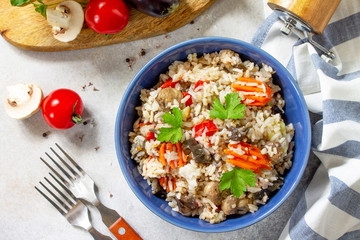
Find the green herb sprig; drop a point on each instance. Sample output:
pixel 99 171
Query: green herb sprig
pixel 173 133
pixel 233 108
pixel 18 2
pixel 236 180
pixel 40 7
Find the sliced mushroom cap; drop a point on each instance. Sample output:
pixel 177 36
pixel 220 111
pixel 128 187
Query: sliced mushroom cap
pixel 229 205
pixel 67 20
pixel 168 95
pixel 212 192
pixel 23 100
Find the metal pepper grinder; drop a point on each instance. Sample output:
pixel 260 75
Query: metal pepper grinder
pixel 308 16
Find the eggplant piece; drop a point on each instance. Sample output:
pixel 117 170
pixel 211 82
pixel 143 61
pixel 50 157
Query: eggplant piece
pixel 155 8
pixel 187 206
pixel 200 154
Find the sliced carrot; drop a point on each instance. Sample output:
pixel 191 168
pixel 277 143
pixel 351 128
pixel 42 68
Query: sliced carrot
pixel 169 146
pixel 179 151
pixel 174 183
pixel 243 164
pixel 239 87
pixel 231 152
pixel 258 100
pixel 252 155
pixel 162 154
pixel 162 181
pixel 185 158
pixel 172 164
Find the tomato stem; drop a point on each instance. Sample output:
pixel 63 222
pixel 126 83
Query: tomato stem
pixel 76 118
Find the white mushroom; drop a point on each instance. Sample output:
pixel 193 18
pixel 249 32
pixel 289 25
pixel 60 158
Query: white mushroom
pixel 23 100
pixel 67 20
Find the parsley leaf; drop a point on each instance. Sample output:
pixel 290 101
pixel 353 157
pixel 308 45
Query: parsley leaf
pixel 234 109
pixel 18 2
pixel 174 133
pixel 41 8
pixel 236 180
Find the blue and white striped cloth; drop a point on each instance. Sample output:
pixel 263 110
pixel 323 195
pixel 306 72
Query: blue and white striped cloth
pixel 330 206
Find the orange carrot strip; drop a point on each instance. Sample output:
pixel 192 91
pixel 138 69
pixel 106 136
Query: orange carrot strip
pixel 234 145
pixel 258 100
pixel 252 155
pixel 174 183
pixel 231 152
pixel 239 87
pixel 243 164
pixel 179 151
pixel 172 164
pixel 162 154
pixel 162 181
pixel 185 158
pixel 169 146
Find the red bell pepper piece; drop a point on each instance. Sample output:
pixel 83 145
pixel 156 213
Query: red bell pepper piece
pixel 206 126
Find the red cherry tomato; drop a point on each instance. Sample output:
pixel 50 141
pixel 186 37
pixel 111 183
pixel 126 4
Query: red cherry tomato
pixel 206 126
pixel 62 109
pixel 106 16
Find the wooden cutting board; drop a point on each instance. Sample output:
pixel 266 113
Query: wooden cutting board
pixel 27 29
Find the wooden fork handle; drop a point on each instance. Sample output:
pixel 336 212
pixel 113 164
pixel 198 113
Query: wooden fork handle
pixel 122 230
pixel 116 224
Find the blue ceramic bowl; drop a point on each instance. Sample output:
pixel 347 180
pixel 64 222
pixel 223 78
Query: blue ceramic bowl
pixel 295 111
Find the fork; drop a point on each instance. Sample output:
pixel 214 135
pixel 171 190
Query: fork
pixel 83 187
pixel 77 214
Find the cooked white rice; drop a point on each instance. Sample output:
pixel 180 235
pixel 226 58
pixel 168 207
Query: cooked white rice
pixel 262 126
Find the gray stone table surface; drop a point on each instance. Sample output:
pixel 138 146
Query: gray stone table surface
pixel 24 213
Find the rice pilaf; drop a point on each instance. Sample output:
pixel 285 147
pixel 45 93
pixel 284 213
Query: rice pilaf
pixel 188 173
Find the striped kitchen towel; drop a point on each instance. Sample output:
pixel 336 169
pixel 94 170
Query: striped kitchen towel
pixel 330 206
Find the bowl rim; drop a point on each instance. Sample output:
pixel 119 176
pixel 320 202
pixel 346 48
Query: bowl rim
pixel 138 193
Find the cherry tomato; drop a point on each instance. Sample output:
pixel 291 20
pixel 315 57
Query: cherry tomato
pixel 106 16
pixel 62 109
pixel 207 127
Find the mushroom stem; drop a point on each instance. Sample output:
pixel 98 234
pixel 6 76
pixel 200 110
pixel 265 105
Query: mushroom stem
pixel 58 18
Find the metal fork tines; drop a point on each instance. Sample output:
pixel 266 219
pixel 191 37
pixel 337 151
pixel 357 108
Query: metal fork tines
pixel 73 210
pixel 77 181
pixel 83 187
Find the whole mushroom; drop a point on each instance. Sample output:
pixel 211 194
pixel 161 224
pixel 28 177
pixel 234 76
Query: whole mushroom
pixel 67 20
pixel 229 205
pixel 23 100
pixel 168 95
pixel 212 192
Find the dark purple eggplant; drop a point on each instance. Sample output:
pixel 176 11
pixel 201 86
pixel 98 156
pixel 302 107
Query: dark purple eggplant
pixel 155 8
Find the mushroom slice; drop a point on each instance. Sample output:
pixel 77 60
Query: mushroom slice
pixel 67 20
pixel 23 100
